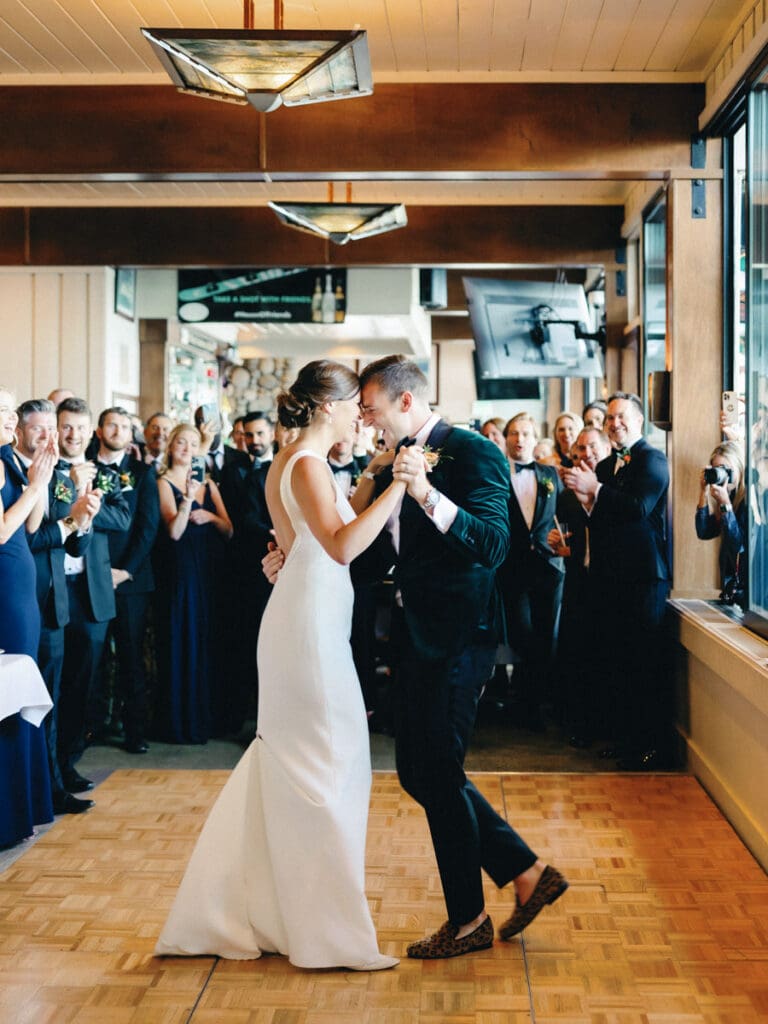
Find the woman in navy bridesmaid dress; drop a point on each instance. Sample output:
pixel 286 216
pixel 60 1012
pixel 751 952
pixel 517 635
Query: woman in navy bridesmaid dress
pixel 195 523
pixel 25 792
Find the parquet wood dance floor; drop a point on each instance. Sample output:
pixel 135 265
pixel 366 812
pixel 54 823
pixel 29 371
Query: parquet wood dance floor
pixel 666 920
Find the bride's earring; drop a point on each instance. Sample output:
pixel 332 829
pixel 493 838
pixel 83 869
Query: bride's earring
pixel 328 418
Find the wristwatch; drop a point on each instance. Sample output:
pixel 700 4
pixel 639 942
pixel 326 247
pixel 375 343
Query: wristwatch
pixel 431 500
pixel 69 522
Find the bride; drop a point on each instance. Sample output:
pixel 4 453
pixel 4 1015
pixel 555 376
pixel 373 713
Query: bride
pixel 279 865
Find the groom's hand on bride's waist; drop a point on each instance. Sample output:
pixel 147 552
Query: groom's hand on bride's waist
pixel 272 562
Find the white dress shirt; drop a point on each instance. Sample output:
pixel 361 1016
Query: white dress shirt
pixel 525 485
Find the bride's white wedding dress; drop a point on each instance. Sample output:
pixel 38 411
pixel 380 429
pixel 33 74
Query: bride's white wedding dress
pixel 279 865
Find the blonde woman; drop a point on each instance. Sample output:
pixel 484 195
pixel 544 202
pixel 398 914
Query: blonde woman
pixel 194 525
pixel 722 512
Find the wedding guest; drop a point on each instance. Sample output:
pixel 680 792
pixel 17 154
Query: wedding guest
pixel 578 667
pixel 156 431
pixel 89 587
pixel 544 452
pixel 567 426
pixel 25 789
pixel 493 429
pixel 242 491
pixel 194 521
pixel 594 414
pixel 531 576
pixel 65 527
pixel 625 498
pixel 728 521
pixel 130 553
pixel 211 444
pixel 237 434
pixel 58 395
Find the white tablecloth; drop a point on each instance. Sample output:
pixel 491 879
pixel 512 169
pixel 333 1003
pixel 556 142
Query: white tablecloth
pixel 22 689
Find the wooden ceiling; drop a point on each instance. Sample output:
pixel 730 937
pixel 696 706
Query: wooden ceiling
pixel 98 41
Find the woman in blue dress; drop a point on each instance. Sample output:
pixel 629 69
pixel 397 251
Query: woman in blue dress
pixel 196 522
pixel 25 792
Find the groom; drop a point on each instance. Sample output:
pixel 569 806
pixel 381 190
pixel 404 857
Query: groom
pixel 451 535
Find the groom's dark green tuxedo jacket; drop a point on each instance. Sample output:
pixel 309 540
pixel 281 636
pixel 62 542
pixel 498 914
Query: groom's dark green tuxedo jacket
pixel 447 581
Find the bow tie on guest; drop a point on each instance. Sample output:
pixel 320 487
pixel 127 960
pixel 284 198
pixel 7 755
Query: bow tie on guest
pixel 108 467
pixel 405 442
pixel 520 466
pixel 63 466
pixel 349 467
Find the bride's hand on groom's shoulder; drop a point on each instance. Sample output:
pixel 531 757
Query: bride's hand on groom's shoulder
pixel 272 562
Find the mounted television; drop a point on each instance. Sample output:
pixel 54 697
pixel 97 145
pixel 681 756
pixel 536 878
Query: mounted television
pixel 532 329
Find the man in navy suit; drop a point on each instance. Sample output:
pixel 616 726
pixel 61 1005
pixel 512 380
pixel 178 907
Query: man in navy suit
pixel 66 528
pixel 450 536
pixel 132 578
pixel 89 585
pixel 531 577
pixel 626 500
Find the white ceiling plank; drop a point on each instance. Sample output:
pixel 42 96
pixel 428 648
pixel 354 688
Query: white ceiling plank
pixel 578 28
pixel 35 36
pixel 710 37
pixel 407 24
pixel 441 29
pixel 610 32
pixel 197 14
pixel 544 26
pixel 474 31
pixel 121 40
pixel 17 55
pixel 508 33
pixel 683 23
pixel 648 25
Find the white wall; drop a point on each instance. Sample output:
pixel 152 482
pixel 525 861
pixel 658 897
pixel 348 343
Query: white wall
pixel 59 328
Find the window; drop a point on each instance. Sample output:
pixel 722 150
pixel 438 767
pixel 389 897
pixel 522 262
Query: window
pixel 654 340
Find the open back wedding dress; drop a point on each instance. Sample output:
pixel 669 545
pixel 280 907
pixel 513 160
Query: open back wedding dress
pixel 279 865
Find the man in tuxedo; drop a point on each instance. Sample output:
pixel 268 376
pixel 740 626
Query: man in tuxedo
pixel 531 577
pixel 625 498
pixel 213 447
pixel 242 491
pixel 89 586
pixel 156 431
pixel 345 465
pixel 450 536
pixel 66 526
pixel 130 557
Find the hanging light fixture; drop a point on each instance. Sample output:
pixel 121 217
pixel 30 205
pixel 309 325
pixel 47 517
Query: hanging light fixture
pixel 266 68
pixel 342 222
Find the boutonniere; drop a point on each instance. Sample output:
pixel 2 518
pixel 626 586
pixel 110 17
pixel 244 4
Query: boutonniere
pixel 105 482
pixel 126 479
pixel 546 486
pixel 433 457
pixel 625 456
pixel 62 493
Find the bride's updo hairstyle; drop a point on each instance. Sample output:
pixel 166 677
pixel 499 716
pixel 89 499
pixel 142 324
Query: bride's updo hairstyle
pixel 317 383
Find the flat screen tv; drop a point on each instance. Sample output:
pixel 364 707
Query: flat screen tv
pixel 531 329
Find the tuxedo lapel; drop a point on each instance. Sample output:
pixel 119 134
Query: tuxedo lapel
pixel 541 496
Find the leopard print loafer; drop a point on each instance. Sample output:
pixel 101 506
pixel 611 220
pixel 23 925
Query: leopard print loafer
pixel 444 942
pixel 549 887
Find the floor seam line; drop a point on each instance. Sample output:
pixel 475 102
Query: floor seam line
pixel 201 993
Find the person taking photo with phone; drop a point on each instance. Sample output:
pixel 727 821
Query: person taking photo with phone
pixel 196 523
pixel 722 512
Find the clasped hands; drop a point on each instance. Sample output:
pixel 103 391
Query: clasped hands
pixel 410 468
pixel 582 481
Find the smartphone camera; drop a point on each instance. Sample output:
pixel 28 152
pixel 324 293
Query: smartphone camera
pixel 198 468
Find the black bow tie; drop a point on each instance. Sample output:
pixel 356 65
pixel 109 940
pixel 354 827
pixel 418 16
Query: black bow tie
pixel 520 466
pixel 406 442
pixel 108 467
pixel 63 466
pixel 348 468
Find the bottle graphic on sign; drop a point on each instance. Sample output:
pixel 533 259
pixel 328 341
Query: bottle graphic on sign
pixel 317 303
pixel 329 302
pixel 339 298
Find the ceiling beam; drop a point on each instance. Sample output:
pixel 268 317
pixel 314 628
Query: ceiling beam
pixel 234 236
pixel 151 132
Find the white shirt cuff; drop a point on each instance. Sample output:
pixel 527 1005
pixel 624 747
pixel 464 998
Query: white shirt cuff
pixel 443 514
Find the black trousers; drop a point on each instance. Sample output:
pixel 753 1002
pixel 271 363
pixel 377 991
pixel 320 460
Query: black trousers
pixel 50 661
pixel 83 648
pixel 533 616
pixel 435 709
pixel 128 627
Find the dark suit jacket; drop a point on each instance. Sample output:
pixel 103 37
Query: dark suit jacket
pixel 48 550
pixel 447 581
pixel 131 549
pixel 242 491
pixel 627 527
pixel 530 558
pixel 114 515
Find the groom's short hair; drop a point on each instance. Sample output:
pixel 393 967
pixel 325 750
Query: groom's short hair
pixel 395 375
